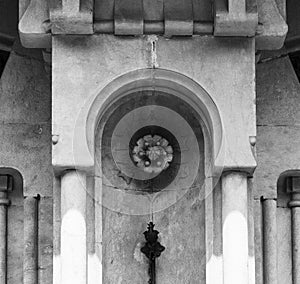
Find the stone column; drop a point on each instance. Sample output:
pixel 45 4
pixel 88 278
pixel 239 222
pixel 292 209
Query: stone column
pixel 270 241
pixel 30 262
pixel 4 202
pixel 73 228
pixel 235 228
pixel 294 204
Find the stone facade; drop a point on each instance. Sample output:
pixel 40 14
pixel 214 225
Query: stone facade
pixel 92 79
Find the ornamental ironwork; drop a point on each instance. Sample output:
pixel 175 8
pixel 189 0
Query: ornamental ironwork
pixel 152 249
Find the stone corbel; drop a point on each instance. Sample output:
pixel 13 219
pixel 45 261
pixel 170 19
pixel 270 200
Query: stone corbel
pixel 235 18
pixel 34 25
pixel 71 17
pixel 272 28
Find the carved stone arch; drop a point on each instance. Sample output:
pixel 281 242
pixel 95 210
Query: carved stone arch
pixel 167 84
pixel 161 80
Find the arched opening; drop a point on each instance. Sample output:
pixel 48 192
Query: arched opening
pixel 131 195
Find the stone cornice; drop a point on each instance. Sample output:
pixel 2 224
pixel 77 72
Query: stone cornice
pixel 235 18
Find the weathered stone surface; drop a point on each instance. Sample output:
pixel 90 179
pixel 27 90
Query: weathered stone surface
pixel 235 18
pixel 84 77
pixel 122 240
pixel 128 17
pixel 215 69
pixel 178 17
pixel 30 252
pixel 34 25
pixel 45 240
pixel 25 129
pixel 278 91
pixel 272 27
pixel 24 92
pixel 258 240
pixel 278 118
pixel 284 238
pixel 182 232
pixel 15 244
pixel 273 143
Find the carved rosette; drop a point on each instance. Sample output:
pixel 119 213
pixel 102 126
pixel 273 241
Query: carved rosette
pixel 152 154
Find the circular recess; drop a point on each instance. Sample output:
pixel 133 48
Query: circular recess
pixel 146 115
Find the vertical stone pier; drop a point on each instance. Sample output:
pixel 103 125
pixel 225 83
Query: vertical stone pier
pixel 73 228
pixel 235 227
pixel 30 240
pixel 270 240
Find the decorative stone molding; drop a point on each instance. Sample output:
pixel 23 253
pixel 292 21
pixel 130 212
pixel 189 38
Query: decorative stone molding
pixel 272 28
pixel 235 18
pixel 168 17
pixel 35 26
pixel 71 17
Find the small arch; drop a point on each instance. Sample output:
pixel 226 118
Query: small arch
pixel 281 182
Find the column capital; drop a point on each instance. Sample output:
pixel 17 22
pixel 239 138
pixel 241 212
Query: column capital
pixel 293 188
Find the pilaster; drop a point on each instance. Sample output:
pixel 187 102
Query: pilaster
pixel 235 228
pixel 73 228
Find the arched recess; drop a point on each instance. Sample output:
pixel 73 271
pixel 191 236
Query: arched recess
pixel 122 219
pixel 14 226
pixel 153 79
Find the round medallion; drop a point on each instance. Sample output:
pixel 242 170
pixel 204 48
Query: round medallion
pixel 152 153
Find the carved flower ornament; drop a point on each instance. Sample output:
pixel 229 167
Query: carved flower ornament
pixel 152 153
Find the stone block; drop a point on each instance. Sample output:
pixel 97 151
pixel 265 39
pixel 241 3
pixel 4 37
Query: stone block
pixel 34 26
pixel 45 240
pixel 71 17
pixel 178 17
pixel 215 69
pixel 272 27
pixel 129 17
pixel 277 93
pixel 26 147
pixel 153 10
pixel 235 18
pixel 202 11
pixel 25 91
pixel 277 151
pixel 278 119
pixel 284 238
pixel 104 10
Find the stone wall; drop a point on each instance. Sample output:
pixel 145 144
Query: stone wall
pixel 278 151
pixel 25 146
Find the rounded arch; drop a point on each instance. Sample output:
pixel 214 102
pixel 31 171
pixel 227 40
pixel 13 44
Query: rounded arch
pixel 16 175
pixel 161 80
pixel 281 182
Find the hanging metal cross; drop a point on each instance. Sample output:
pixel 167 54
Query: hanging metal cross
pixel 152 249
